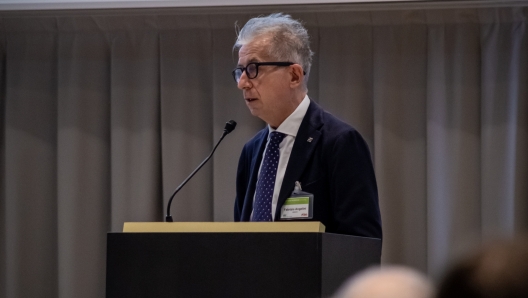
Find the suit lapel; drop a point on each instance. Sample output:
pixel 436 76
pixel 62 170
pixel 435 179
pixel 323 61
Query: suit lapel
pixel 255 165
pixel 305 143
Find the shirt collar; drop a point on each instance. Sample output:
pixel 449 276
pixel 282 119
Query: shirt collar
pixel 291 125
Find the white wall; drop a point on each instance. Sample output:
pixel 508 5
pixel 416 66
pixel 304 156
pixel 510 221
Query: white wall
pixel 82 4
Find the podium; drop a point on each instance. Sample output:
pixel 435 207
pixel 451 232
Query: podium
pixel 279 259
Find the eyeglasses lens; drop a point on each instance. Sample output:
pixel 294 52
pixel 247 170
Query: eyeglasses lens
pixel 251 70
pixel 237 73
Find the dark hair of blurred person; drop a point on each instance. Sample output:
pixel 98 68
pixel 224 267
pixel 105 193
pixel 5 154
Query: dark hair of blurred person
pixel 499 271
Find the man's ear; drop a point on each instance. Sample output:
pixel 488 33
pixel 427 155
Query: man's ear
pixel 296 75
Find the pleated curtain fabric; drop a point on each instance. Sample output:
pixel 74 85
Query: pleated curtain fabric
pixel 103 113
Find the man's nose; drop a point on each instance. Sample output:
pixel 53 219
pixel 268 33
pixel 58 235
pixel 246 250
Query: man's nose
pixel 244 82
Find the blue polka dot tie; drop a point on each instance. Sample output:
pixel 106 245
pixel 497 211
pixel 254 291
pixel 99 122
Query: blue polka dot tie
pixel 266 181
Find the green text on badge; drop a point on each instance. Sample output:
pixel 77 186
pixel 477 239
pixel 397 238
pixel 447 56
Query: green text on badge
pixel 296 207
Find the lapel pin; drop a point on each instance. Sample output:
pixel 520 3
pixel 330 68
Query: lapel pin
pixel 310 139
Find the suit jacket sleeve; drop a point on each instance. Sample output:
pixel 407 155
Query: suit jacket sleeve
pixel 353 187
pixel 242 180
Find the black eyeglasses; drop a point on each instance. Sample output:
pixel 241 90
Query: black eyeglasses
pixel 252 69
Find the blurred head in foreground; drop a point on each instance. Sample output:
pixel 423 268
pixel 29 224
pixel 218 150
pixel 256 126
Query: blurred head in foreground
pixel 387 282
pixel 499 271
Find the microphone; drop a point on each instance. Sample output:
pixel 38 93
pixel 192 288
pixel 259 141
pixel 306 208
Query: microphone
pixel 229 127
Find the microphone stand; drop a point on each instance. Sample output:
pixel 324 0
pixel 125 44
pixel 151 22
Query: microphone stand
pixel 229 127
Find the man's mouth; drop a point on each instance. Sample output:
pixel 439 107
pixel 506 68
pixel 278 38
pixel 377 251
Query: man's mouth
pixel 250 99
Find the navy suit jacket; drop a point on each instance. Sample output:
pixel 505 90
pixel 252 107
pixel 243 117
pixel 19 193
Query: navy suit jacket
pixel 335 166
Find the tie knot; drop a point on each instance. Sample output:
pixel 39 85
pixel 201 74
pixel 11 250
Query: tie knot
pixel 276 137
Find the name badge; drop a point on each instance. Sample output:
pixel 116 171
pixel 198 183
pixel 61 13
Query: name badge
pixel 298 206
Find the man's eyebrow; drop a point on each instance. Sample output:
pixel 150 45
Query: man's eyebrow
pixel 252 60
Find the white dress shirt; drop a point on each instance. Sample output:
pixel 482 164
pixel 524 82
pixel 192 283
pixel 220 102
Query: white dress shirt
pixel 289 127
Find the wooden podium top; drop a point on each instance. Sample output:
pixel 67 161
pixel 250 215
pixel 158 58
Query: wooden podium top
pixel 224 227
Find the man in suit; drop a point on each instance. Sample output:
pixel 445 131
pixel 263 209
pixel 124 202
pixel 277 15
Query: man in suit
pixel 302 145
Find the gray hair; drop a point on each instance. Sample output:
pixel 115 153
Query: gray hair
pixel 387 282
pixel 290 40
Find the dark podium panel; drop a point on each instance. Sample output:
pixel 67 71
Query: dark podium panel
pixel 234 264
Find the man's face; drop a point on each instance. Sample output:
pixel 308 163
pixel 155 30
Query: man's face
pixel 268 96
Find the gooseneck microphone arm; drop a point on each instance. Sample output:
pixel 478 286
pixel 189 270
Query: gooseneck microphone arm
pixel 229 127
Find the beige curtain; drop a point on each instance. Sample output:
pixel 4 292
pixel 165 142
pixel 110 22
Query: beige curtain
pixel 104 113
